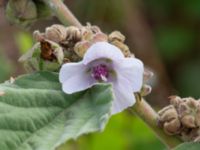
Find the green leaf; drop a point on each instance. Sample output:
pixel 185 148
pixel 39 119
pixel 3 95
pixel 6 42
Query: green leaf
pixel 36 115
pixel 188 146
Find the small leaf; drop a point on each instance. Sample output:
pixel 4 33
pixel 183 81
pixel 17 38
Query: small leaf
pixel 188 146
pixel 36 115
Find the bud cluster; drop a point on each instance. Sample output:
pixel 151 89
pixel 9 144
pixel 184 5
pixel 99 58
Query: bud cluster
pixel 181 118
pixel 60 44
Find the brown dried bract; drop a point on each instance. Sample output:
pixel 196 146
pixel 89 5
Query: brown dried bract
pixel 47 51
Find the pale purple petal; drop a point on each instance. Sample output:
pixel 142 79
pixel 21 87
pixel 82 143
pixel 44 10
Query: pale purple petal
pixel 131 70
pixel 102 50
pixel 69 70
pixel 77 83
pixel 124 97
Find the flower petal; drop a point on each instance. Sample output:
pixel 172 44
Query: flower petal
pixel 102 50
pixel 74 78
pixel 69 70
pixel 124 97
pixel 77 83
pixel 131 70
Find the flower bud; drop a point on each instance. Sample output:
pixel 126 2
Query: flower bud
pixel 81 48
pixel 99 37
pixel 146 90
pixel 147 74
pixel 116 35
pixel 168 118
pixel 37 36
pixel 87 34
pixel 188 121
pixel 175 100
pixel 56 33
pixel 45 55
pixel 73 34
pixel 123 47
pixel 21 12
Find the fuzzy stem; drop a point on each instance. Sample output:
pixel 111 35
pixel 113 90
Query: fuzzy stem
pixel 143 110
pixel 62 12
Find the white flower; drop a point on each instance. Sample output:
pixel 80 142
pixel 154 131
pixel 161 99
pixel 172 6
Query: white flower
pixel 105 63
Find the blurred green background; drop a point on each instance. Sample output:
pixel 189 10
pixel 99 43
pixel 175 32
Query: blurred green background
pixel 164 34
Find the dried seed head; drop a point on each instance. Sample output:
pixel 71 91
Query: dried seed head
pixel 56 33
pixel 116 36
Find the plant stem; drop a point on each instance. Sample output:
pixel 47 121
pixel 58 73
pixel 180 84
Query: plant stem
pixel 143 110
pixel 62 12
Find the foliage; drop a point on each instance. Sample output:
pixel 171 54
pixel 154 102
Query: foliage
pixel 40 110
pixel 188 146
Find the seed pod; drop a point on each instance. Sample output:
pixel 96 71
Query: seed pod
pixel 56 33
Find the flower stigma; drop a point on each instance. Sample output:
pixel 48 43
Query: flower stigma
pixel 100 73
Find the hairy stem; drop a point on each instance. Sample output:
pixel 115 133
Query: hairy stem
pixel 62 12
pixel 143 110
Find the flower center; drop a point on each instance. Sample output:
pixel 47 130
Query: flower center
pixel 100 72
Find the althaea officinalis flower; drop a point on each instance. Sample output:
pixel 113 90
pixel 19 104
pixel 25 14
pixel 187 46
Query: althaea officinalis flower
pixel 105 63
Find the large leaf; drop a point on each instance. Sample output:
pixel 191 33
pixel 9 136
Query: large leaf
pixel 36 115
pixel 188 146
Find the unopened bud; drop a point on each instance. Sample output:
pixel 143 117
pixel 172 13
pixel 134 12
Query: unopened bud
pixel 99 37
pixel 73 33
pixel 168 118
pixel 147 75
pixel 56 33
pixel 116 35
pixel 123 47
pixel 21 12
pixel 81 48
pixel 45 55
pixel 37 36
pixel 188 121
pixel 146 90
